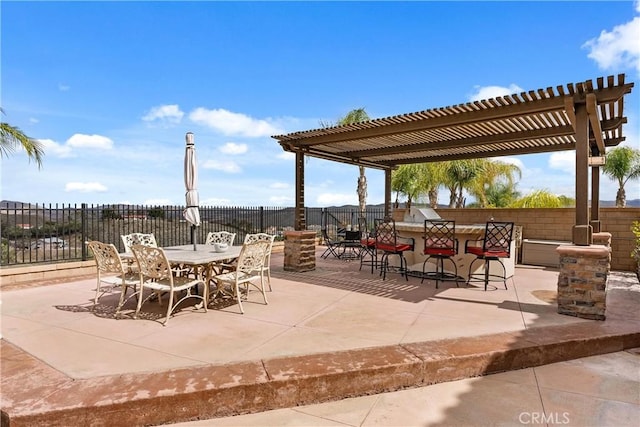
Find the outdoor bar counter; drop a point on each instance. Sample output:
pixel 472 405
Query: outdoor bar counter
pixel 464 232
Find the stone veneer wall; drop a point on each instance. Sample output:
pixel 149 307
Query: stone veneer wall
pixel 299 250
pixel 582 281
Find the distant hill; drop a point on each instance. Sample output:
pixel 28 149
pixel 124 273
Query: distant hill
pixel 8 204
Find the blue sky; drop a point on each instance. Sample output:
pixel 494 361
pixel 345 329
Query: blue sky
pixel 111 88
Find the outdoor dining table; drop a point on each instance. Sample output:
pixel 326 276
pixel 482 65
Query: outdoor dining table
pixel 204 260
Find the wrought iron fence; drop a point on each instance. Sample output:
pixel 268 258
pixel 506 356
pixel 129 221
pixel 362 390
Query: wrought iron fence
pixel 57 232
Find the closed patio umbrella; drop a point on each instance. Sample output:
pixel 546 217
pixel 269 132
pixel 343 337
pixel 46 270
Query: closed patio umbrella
pixel 192 212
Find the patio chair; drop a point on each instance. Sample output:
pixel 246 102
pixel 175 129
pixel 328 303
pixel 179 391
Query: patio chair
pixel 220 237
pixel 495 246
pixel 440 243
pixel 249 238
pixel 334 246
pixel 248 270
pixel 388 241
pixel 113 273
pixel 226 238
pixel 147 239
pixel 157 276
pixel 368 252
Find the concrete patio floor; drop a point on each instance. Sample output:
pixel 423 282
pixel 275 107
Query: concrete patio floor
pixel 326 335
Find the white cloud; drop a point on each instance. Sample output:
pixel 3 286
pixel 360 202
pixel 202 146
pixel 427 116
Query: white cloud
pixel 90 141
pixel 227 166
pixel 618 48
pixel 333 199
pixel 510 160
pixel 279 185
pixel 33 120
pixel 53 148
pixel 157 202
pixel 63 88
pixel 488 92
pixel 230 123
pixel 215 202
pixel 85 187
pixel 281 200
pixel 233 148
pixel 167 114
pixel 564 161
pixel 286 155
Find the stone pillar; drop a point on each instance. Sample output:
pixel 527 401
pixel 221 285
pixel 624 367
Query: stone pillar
pixel 299 250
pixel 582 281
pixel 602 238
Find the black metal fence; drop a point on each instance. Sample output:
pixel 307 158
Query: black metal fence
pixel 53 233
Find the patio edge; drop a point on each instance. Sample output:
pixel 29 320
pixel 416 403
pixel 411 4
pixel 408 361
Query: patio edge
pixel 213 391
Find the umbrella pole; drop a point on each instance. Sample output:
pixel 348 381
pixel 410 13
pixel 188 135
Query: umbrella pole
pixel 193 236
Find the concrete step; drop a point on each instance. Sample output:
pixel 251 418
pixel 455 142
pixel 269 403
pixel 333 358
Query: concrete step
pixel 35 394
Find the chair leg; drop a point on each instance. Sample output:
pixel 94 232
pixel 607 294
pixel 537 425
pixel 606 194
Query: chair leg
pixel 269 279
pixel 139 305
pixel 504 270
pixel 404 268
pixel 169 308
pixel 236 290
pixel 384 263
pixel 486 273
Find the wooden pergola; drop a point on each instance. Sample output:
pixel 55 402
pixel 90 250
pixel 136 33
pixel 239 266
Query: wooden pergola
pixel 581 116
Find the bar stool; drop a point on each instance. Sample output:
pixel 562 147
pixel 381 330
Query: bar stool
pixel 440 243
pixel 388 241
pixel 368 252
pixel 495 245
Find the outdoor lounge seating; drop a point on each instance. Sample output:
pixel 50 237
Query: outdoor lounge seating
pixel 248 270
pixel 112 272
pixel 157 276
pixel 388 241
pixel 440 243
pixel 495 245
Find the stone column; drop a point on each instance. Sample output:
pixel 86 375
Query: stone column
pixel 582 281
pixel 602 238
pixel 299 250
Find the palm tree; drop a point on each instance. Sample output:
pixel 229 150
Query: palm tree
pixel 409 180
pixel 356 116
pixel 540 199
pixel 494 172
pixel 499 195
pixel 11 138
pixel 431 176
pixel 622 164
pixel 458 175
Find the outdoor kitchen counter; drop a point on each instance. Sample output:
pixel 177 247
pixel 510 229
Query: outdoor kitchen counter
pixel 464 232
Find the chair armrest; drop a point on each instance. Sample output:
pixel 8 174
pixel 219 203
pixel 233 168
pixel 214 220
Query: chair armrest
pixel 407 241
pixel 473 243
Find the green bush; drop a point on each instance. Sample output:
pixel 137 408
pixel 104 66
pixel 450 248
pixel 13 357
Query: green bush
pixel 635 229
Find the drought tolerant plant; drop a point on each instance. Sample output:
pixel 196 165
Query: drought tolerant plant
pixel 635 253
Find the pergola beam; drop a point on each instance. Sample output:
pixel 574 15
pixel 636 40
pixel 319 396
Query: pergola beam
pixel 592 112
pixel 583 117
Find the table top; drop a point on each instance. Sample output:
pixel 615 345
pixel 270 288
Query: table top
pixel 204 254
